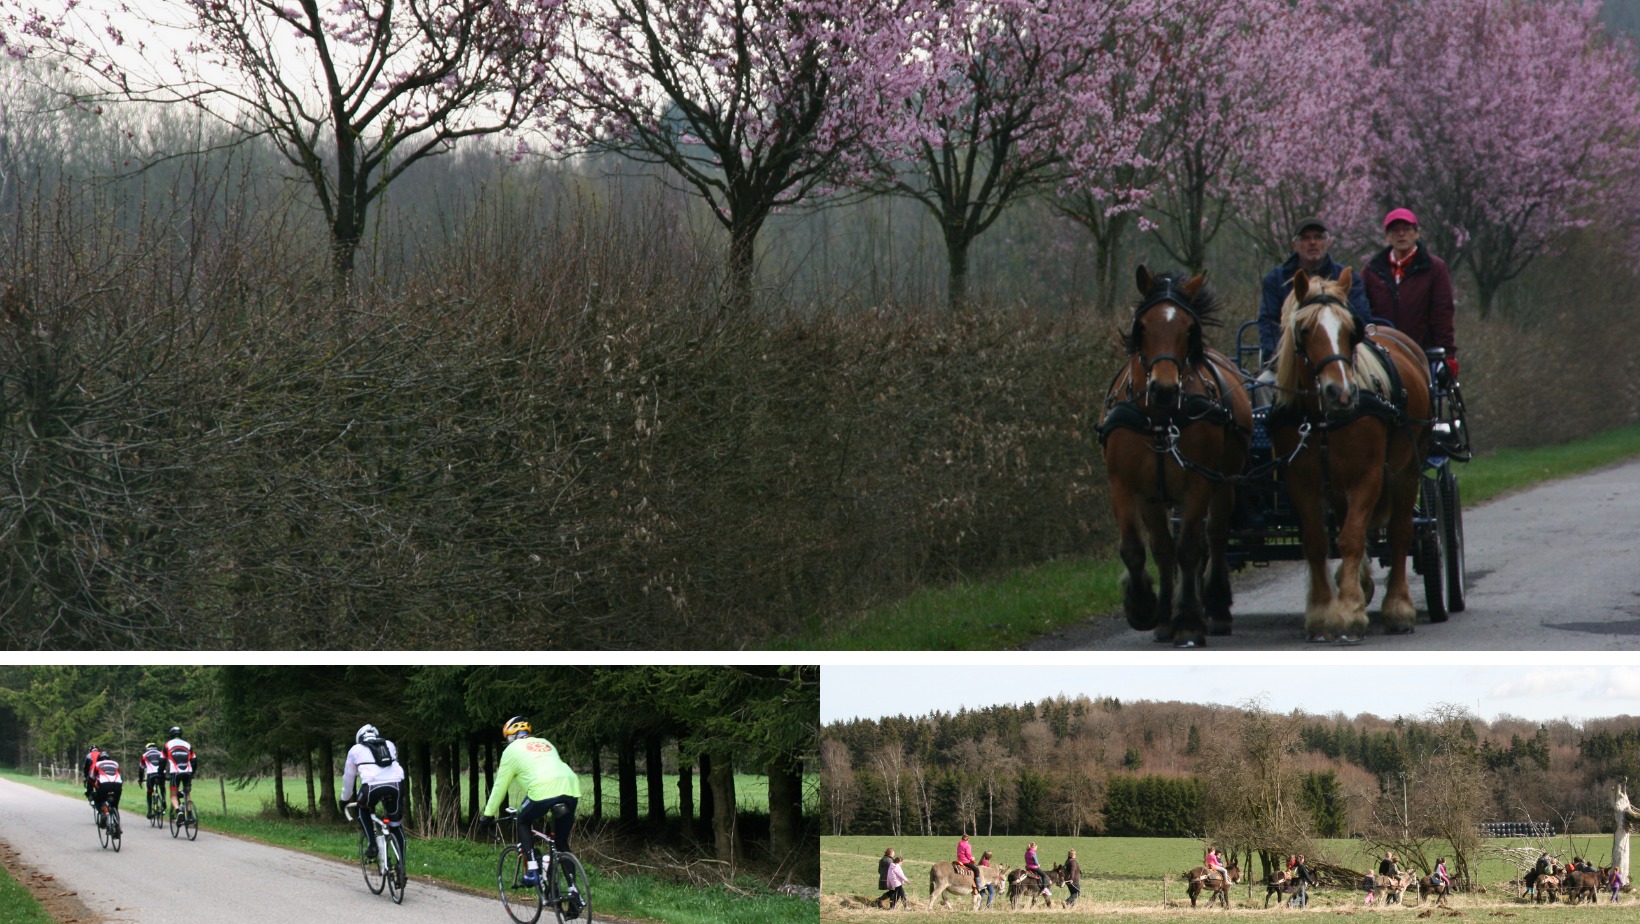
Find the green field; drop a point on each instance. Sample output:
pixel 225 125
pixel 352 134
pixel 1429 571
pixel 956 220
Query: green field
pixel 1139 878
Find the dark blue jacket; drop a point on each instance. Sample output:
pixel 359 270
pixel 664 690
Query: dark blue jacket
pixel 1278 283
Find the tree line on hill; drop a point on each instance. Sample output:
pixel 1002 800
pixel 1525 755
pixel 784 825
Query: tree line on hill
pixel 699 724
pixel 1256 783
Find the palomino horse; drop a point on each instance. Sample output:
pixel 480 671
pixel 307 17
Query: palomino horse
pixel 1176 429
pixel 1351 416
pixel 1202 879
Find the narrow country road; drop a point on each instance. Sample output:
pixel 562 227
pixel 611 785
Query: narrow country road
pixel 1553 568
pixel 157 880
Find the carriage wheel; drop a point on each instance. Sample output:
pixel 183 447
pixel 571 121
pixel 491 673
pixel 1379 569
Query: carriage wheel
pixel 1431 552
pixel 1452 529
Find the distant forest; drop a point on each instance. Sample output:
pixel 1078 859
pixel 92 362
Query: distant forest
pixel 1080 766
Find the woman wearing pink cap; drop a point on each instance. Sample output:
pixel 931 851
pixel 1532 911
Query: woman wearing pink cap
pixel 1410 287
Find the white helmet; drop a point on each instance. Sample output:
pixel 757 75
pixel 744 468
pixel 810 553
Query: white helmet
pixel 366 731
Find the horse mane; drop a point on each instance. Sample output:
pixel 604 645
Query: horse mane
pixel 1169 286
pixel 1368 374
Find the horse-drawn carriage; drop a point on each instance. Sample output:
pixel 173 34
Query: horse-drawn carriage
pixel 1351 459
pixel 1265 527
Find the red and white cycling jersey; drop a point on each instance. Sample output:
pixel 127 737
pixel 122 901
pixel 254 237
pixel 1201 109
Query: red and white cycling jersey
pixel 106 770
pixel 179 756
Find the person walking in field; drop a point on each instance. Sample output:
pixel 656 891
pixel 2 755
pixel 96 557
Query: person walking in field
pixel 896 883
pixel 883 866
pixel 1073 878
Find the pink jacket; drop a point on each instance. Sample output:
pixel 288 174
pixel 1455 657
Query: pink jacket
pixel 965 852
pixel 896 876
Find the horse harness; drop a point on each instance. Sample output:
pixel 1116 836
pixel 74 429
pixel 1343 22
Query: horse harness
pixel 1212 406
pixel 1390 407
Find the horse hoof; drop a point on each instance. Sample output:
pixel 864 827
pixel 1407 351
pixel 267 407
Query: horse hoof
pixel 1190 643
pixel 1319 637
pixel 1348 640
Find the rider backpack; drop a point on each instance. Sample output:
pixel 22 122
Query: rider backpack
pixel 380 751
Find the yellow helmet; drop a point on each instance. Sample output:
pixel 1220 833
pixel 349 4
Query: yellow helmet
pixel 516 727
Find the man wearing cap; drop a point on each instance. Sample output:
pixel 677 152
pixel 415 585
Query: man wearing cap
pixel 1411 288
pixel 1310 254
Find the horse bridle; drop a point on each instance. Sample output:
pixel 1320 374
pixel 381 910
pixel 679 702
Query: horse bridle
pixel 1348 359
pixel 1167 296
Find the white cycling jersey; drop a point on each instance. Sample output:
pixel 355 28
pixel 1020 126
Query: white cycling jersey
pixel 362 766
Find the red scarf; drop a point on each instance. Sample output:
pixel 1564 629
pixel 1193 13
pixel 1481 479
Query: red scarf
pixel 1398 268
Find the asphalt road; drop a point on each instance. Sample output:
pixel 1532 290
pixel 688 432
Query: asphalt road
pixel 1553 568
pixel 157 880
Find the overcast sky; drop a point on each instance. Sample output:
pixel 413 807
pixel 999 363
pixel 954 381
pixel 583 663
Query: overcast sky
pixel 1572 691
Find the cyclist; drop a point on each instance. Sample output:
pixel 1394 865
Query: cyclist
pixel 152 766
pixel 180 763
pixel 87 766
pixel 373 762
pixel 105 783
pixel 547 783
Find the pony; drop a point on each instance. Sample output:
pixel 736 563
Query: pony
pixel 1545 888
pixel 1203 879
pixel 1577 884
pixel 947 877
pixel 1428 886
pixel 1352 418
pixel 1175 434
pixel 1020 884
pixel 1394 890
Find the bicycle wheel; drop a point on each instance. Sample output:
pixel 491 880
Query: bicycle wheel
pixel 176 820
pixel 372 867
pixel 102 828
pixel 395 871
pixel 572 895
pixel 114 827
pixel 156 808
pixel 190 820
pixel 523 904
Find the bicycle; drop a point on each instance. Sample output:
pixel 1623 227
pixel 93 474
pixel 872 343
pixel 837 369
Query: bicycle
pixel 387 867
pixel 156 805
pixel 183 817
pixel 563 885
pixel 108 826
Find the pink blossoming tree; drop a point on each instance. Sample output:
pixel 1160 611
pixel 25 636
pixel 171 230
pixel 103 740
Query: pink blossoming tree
pixel 1506 125
pixel 754 104
pixel 1004 85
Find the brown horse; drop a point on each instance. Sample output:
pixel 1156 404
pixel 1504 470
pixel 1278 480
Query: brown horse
pixel 1176 431
pixel 1352 417
pixel 1202 879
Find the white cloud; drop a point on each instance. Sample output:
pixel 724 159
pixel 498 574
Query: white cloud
pixel 1548 682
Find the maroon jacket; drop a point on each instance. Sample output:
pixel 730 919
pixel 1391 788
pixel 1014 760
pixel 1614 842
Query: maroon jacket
pixel 1421 306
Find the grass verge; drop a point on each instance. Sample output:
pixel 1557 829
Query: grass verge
pixel 471 865
pixel 1023 604
pixel 17 906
